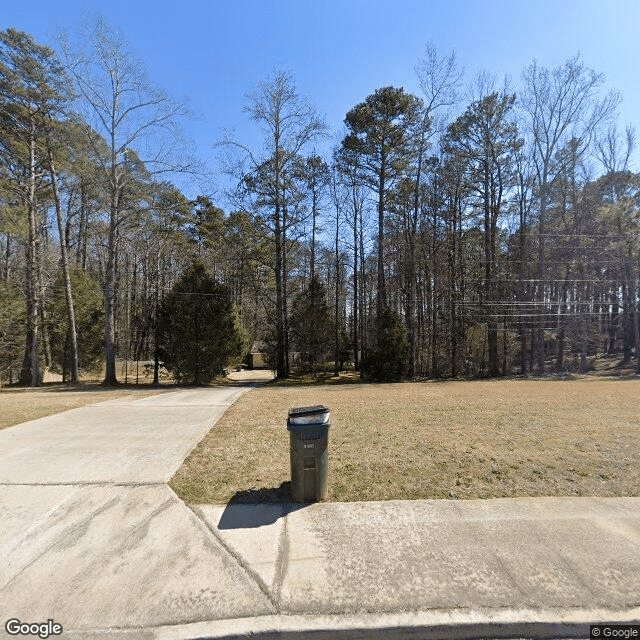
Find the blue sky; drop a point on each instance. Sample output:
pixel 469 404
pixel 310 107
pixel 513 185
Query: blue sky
pixel 340 51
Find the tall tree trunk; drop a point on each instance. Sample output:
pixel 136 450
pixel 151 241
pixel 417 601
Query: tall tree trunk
pixel 521 319
pixel 44 327
pixel 156 345
pixel 314 214
pixel 413 276
pixel 432 279
pixel 538 335
pixel 362 294
pixel 412 304
pixel 453 288
pixel 81 250
pixel 285 293
pixel 30 373
pixel 628 313
pixel 71 317
pixel 492 329
pixel 281 365
pixel 356 301
pixel 109 295
pixel 381 300
pixel 336 335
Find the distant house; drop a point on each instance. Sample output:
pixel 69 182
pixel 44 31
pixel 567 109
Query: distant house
pixel 255 360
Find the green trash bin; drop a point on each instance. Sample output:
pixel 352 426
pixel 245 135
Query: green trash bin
pixel 308 441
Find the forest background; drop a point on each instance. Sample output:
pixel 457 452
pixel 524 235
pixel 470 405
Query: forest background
pixel 480 227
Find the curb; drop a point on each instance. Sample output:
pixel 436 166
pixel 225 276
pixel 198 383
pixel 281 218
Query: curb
pixel 449 624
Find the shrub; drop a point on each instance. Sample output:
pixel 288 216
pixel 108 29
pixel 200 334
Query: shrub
pixel 88 305
pixel 389 360
pixel 311 326
pixel 199 330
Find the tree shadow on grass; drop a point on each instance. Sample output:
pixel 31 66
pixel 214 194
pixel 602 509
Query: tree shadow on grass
pixel 258 507
pixel 264 495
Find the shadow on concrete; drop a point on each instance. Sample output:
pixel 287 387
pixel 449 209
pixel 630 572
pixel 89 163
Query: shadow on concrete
pixel 258 507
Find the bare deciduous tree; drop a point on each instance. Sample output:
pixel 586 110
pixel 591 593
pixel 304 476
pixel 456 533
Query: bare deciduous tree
pixel 614 149
pixel 135 118
pixel 562 103
pixel 288 123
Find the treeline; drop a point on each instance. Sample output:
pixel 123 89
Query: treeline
pixel 489 231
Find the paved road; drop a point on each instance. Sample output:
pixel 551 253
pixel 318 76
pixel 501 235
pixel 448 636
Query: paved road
pixel 92 538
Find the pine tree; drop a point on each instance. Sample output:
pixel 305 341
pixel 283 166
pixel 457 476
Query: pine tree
pixel 389 361
pixel 33 92
pixel 199 331
pixel 311 325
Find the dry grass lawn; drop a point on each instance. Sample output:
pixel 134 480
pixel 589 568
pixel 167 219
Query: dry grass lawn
pixel 20 405
pixel 477 439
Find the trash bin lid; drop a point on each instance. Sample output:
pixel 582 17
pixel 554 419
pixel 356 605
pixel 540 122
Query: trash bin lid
pixel 318 414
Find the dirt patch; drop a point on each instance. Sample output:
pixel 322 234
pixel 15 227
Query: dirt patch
pixel 479 439
pixel 251 375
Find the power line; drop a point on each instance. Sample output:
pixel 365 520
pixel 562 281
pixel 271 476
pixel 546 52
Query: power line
pixel 531 303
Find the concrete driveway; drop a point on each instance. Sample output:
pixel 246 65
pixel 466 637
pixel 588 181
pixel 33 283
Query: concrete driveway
pixel 90 535
pixel 92 539
pixel 123 441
